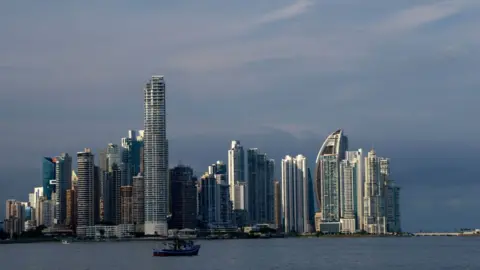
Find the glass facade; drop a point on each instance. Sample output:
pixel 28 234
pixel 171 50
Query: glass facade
pixel 48 173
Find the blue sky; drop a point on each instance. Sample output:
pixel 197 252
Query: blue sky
pixel 278 75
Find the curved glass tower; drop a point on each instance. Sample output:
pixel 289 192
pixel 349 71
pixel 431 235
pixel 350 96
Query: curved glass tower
pixel 327 175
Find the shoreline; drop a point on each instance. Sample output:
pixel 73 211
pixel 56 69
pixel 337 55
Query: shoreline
pixel 153 239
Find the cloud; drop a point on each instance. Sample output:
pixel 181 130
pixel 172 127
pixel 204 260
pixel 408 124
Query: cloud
pixel 421 15
pixel 291 11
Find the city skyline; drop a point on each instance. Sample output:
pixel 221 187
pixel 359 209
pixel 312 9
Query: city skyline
pixel 405 86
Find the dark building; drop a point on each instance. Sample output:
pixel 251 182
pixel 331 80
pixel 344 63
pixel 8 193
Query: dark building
pixel 278 204
pixel 71 218
pixel 48 174
pixel 183 198
pixel 97 193
pixel 261 172
pixel 126 199
pixel 111 195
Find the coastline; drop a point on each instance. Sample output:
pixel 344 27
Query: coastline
pixel 153 239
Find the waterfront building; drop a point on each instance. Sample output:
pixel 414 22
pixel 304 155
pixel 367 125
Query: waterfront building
pixel 126 199
pixel 131 158
pixel 261 172
pixel 71 217
pixel 183 192
pixel 277 191
pixel 236 175
pixel 48 175
pixel 111 194
pixel 63 177
pixel 351 192
pixel 97 193
pixel 14 222
pixel 327 180
pixel 311 201
pixel 86 191
pixel 34 199
pixel 215 206
pixel 155 158
pixel 392 207
pixel 110 231
pixel 295 205
pixel 47 210
pixel 374 201
pixel 138 214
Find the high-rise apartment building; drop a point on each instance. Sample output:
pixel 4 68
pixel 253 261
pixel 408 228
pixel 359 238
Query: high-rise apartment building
pixel 63 176
pixel 86 190
pixel 236 175
pixel 183 198
pixel 14 222
pixel 392 207
pixel 373 203
pixel 155 158
pixel 111 194
pixel 327 180
pixel 261 172
pixel 138 211
pixel 215 206
pixel 126 199
pixel 295 195
pixel 351 192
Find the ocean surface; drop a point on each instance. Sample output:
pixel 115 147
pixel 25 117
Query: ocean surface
pixel 422 253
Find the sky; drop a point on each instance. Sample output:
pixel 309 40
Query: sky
pixel 278 75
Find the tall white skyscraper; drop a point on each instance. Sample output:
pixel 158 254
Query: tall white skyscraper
pixel 236 175
pixel 351 191
pixel 295 205
pixel 155 158
pixel 373 203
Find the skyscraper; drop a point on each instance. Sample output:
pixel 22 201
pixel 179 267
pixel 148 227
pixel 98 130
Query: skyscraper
pixel 184 198
pixel 392 207
pixel 260 187
pixel 236 175
pixel 277 187
pixel 215 207
pixel 138 211
pixel 63 178
pixel 374 204
pixel 155 157
pixel 85 194
pixel 351 193
pixel 71 218
pixel 295 194
pixel 111 194
pixel 48 174
pixel 126 199
pixel 131 150
pixel 327 179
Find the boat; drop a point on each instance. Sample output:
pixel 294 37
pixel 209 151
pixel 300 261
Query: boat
pixel 65 242
pixel 179 247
